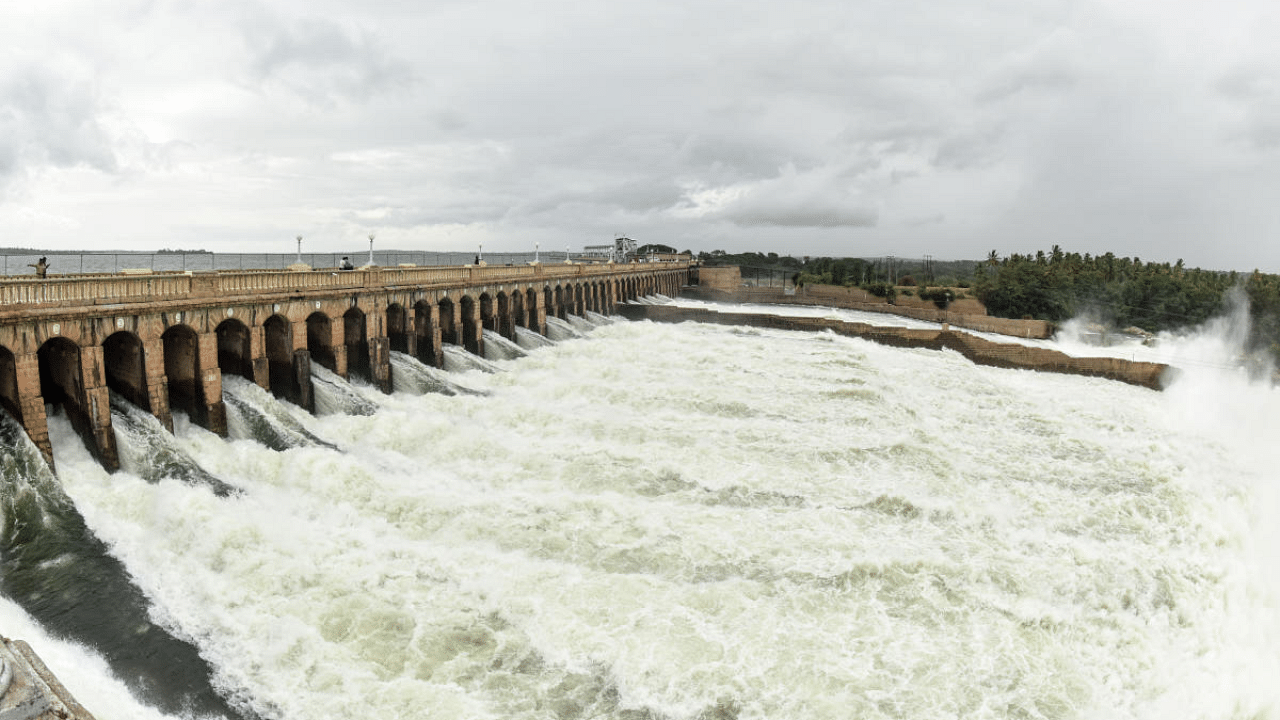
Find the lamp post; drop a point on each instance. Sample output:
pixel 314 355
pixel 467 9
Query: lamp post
pixel 298 259
pixel 535 252
pixel 370 249
pixel 480 255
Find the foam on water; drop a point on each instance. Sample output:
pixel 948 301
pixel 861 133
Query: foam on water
pixel 689 521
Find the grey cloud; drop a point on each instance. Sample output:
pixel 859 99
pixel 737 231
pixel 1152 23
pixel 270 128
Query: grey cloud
pixel 325 63
pixel 48 120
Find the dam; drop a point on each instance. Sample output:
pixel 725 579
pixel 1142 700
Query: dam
pixel 164 341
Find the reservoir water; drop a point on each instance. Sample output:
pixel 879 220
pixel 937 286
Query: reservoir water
pixel 651 522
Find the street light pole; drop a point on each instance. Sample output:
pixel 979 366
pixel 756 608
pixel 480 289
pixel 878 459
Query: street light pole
pixel 370 249
pixel 535 252
pixel 298 259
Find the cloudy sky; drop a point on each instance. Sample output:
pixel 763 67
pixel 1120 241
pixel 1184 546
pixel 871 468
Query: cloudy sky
pixel 812 127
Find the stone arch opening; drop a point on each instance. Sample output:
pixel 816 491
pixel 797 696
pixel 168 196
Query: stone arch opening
pixel 62 386
pixel 488 315
pixel 357 342
pixel 518 315
pixel 182 373
pixel 556 307
pixel 320 340
pixel 9 398
pixel 124 364
pixel 471 325
pixel 448 324
pixel 278 335
pixel 398 328
pixel 234 353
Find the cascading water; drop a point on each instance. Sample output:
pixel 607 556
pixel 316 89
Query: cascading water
pixel 581 324
pixel 64 577
pixel 697 522
pixel 254 414
pixel 149 451
pixel 410 376
pixel 333 395
pixel 560 330
pixel 457 359
pixel 498 348
pixel 530 340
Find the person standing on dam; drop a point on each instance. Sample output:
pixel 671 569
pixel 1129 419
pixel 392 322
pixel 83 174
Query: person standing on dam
pixel 41 266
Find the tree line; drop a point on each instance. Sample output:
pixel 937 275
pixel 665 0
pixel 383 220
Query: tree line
pixel 1056 286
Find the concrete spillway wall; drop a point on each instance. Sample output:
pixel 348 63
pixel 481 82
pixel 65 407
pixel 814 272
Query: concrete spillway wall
pixel 28 691
pixel 976 349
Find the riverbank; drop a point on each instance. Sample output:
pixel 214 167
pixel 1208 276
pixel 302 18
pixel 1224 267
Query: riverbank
pixel 978 350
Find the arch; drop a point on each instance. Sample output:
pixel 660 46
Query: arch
pixel 505 322
pixel 278 334
pixel 62 384
pixel 518 315
pixel 488 313
pixel 471 325
pixel 234 348
pixel 124 363
pixel 357 342
pixel 9 398
pixel 398 327
pixel 320 340
pixel 557 305
pixel 182 372
pixel 448 323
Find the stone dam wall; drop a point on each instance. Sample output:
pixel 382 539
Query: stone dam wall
pixel 976 349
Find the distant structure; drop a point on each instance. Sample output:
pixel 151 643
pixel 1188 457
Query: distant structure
pixel 622 250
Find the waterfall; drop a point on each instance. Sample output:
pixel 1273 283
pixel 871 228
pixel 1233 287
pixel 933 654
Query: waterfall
pixel 457 359
pixel 531 340
pixel 559 330
pixel 64 577
pixel 151 452
pixel 334 395
pixel 254 414
pixel 497 347
pixel 408 375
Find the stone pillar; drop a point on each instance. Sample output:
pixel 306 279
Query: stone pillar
pixel 258 357
pixel 375 327
pixel 538 313
pixel 157 382
pixel 97 408
pixel 300 389
pixel 475 343
pixel 433 353
pixel 338 346
pixel 215 411
pixel 31 403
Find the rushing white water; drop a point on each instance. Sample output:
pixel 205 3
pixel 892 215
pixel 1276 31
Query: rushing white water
pixel 531 340
pixel 694 521
pixel 558 329
pixel 497 348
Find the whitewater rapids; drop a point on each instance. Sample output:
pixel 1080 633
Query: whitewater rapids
pixel 706 522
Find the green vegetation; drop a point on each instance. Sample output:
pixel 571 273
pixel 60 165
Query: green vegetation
pixel 1124 292
pixel 1054 286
